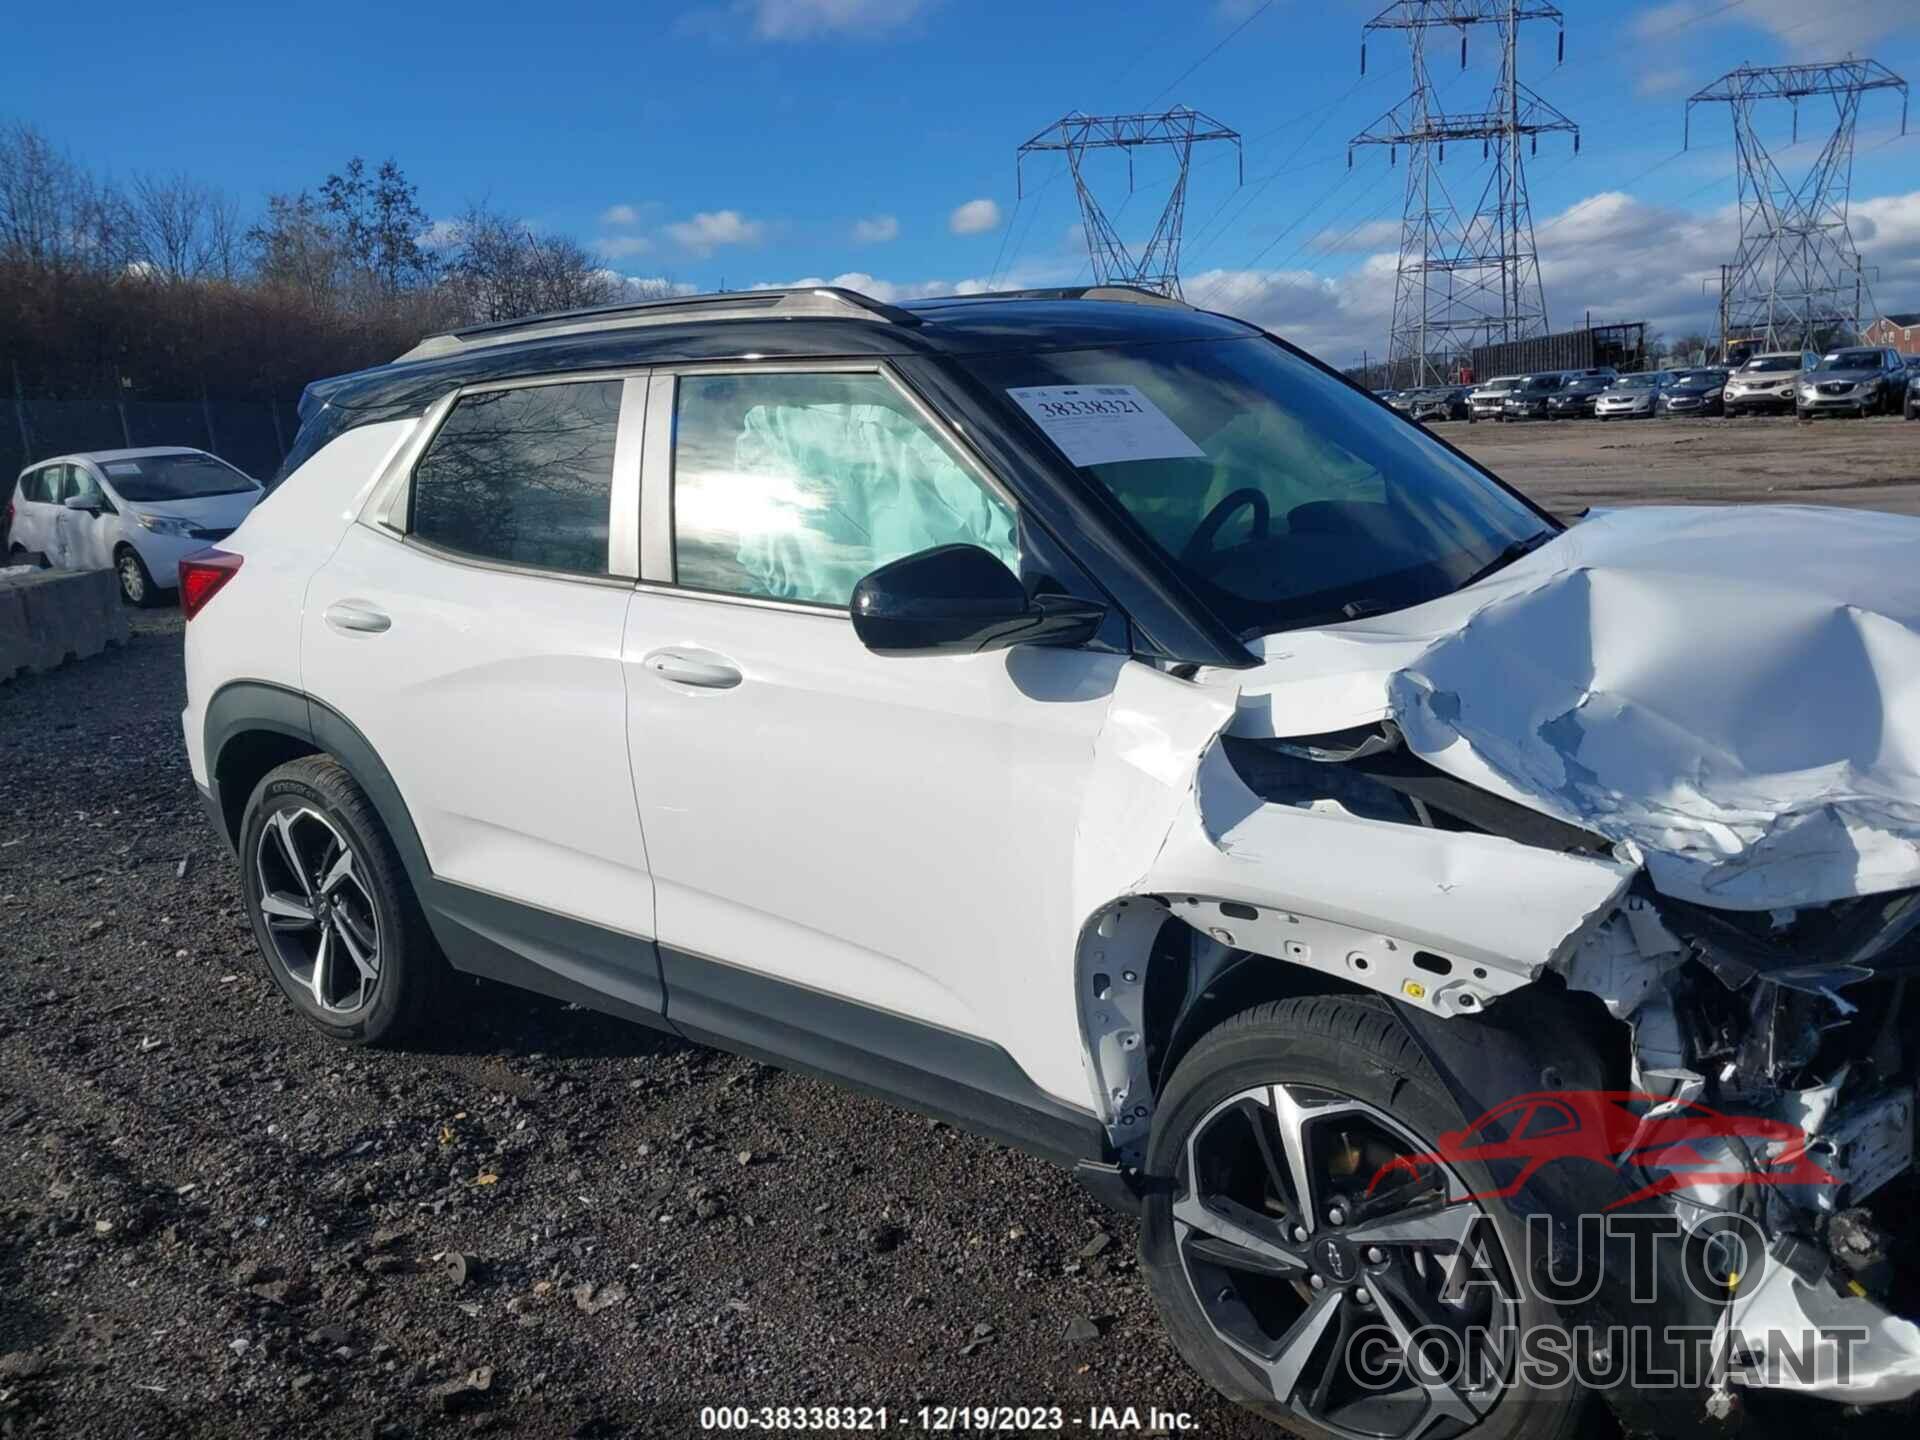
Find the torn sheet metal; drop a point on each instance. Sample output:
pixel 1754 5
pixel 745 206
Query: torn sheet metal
pixel 1447 892
pixel 1732 693
pixel 1446 919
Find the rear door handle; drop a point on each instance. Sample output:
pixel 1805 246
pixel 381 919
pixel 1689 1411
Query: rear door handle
pixel 356 617
pixel 693 667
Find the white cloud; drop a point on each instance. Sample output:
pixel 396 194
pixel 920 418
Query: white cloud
pixel 775 21
pixel 1835 29
pixel 622 247
pixel 1611 255
pixel 649 287
pixel 620 215
pixel 1667 80
pixel 876 230
pixel 711 229
pixel 974 218
pixel 441 235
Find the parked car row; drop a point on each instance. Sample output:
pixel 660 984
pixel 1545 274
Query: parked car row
pixel 1853 380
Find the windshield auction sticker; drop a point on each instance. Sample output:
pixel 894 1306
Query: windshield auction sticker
pixel 1102 424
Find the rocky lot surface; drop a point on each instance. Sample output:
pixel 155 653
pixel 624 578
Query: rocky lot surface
pixel 538 1221
pixel 1760 460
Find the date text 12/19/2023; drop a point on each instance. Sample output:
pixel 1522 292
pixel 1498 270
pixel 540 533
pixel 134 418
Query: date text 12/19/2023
pixel 949 1419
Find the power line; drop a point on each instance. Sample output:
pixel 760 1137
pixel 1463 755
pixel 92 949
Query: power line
pixel 1231 36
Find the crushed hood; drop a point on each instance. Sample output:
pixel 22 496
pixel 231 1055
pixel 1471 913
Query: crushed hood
pixel 1733 694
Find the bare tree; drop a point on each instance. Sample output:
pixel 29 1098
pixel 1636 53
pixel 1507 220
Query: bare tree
pixel 54 216
pixel 500 269
pixel 185 229
pixel 379 223
pixel 295 248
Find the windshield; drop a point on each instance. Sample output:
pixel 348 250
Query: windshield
pixel 1772 364
pixel 1633 382
pixel 1543 382
pixel 1697 377
pixel 1849 360
pixel 1588 385
pixel 1277 493
pixel 149 478
pixel 1495 386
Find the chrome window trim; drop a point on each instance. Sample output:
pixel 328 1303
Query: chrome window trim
pixel 658 572
pixel 386 509
pixel 656 480
pixel 759 602
pixel 623 497
pixel 498 567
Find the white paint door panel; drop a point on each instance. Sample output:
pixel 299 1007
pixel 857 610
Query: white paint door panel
pixel 898 832
pixel 497 700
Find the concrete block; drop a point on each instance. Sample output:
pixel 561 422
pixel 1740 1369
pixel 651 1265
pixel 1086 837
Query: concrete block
pixel 49 616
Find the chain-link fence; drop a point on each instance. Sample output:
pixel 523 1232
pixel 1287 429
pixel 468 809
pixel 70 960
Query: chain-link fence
pixel 252 434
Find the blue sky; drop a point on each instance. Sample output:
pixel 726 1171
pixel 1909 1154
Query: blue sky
pixel 754 141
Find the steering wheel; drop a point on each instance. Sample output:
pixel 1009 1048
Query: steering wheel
pixel 1217 517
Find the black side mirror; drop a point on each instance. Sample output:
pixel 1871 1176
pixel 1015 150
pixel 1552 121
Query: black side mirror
pixel 960 600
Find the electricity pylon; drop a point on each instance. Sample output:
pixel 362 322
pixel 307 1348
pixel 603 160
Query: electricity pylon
pixel 1465 277
pixel 1157 267
pixel 1796 278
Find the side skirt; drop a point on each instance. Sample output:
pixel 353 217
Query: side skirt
pixel 972 1084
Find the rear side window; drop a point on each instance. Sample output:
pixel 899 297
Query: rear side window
pixel 43 484
pixel 523 476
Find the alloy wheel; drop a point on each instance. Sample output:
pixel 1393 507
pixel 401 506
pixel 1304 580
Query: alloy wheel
pixel 133 584
pixel 1369 1292
pixel 321 920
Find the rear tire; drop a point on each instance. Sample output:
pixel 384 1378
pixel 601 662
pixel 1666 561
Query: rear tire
pixel 1315 1046
pixel 311 842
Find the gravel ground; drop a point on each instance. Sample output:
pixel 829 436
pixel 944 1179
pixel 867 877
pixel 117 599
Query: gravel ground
pixel 215 1223
pixel 538 1220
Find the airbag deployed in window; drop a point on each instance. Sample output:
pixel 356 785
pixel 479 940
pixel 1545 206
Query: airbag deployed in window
pixel 793 487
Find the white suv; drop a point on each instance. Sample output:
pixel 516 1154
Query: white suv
pixel 1096 722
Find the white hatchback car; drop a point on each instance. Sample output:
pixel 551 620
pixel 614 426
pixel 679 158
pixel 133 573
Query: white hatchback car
pixel 134 511
pixel 1098 723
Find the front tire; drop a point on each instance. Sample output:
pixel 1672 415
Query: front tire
pixel 136 582
pixel 1317 1094
pixel 338 925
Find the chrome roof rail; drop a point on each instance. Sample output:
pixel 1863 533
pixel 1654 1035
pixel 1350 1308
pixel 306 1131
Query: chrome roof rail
pixel 1125 294
pixel 820 302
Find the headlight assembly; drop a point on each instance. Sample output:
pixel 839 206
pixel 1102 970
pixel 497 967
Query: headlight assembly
pixel 166 525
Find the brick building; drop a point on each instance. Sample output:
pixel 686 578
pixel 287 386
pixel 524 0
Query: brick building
pixel 1900 331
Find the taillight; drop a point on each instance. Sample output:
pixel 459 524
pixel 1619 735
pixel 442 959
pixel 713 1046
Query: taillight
pixel 201 576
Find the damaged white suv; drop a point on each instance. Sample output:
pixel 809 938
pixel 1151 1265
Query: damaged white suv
pixel 1479 949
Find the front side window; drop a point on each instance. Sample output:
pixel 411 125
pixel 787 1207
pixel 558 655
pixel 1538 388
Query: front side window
pixel 523 476
pixel 1281 496
pixel 794 486
pixel 84 485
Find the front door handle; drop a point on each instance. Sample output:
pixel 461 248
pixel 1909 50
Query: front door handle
pixel 356 617
pixel 693 667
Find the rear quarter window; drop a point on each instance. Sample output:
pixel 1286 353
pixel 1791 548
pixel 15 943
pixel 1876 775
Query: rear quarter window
pixel 522 476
